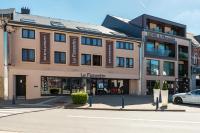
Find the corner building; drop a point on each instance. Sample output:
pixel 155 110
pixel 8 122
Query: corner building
pixel 48 56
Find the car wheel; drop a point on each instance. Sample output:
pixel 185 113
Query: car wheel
pixel 178 100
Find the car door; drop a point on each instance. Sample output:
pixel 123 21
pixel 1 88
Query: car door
pixel 194 97
pixel 197 97
pixel 188 97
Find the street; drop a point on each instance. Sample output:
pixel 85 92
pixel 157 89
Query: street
pixel 91 121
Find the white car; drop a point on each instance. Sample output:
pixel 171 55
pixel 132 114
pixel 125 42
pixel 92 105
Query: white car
pixel 192 97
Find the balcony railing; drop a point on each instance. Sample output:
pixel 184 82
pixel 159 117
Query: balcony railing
pixel 160 53
pixel 183 56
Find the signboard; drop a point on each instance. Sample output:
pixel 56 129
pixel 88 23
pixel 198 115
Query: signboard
pixel 74 50
pixel 109 54
pixel 161 37
pixel 44 48
pixel 90 75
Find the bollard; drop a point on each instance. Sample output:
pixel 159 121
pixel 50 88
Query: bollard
pixel 122 102
pixel 90 101
pixel 13 100
pixel 157 103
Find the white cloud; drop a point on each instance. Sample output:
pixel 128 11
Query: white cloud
pixel 191 18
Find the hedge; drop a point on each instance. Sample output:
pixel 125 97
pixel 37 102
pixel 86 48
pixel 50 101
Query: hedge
pixel 79 97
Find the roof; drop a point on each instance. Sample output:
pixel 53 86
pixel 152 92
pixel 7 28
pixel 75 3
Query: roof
pixel 192 37
pixel 122 19
pixel 7 11
pixel 68 24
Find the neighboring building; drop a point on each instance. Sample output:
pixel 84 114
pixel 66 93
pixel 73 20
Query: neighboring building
pixel 48 56
pixel 195 60
pixel 165 50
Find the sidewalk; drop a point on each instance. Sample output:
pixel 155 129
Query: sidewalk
pixel 132 103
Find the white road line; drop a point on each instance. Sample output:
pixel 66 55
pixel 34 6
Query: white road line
pixel 132 119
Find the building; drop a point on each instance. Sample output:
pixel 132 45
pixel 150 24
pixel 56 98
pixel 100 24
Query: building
pixel 165 50
pixel 195 60
pixel 43 56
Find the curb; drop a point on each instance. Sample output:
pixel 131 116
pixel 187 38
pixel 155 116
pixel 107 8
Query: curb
pixel 159 110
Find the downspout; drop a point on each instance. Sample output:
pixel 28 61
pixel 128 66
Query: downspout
pixel 5 53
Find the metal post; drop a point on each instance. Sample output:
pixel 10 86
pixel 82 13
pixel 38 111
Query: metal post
pixel 122 102
pixel 90 101
pixel 157 103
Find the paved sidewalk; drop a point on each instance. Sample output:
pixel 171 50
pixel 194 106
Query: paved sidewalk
pixel 132 103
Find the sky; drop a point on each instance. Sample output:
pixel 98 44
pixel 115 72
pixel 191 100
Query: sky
pixel 94 11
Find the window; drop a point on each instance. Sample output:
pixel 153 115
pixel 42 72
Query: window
pixel 195 60
pixel 129 62
pixel 97 60
pixel 168 68
pixel 124 45
pixel 91 41
pixel 150 47
pixel 86 59
pixel 59 37
pixel 60 57
pixel 153 67
pixel 26 33
pixel 28 55
pixel 120 62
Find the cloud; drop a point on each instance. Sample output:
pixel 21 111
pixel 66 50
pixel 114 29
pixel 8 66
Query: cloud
pixel 191 18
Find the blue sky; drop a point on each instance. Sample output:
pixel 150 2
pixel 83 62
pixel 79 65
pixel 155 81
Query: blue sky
pixel 94 11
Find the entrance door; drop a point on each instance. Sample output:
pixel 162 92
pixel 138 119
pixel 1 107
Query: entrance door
pixel 21 86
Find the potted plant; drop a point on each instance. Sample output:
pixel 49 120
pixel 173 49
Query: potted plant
pixel 156 91
pixel 164 94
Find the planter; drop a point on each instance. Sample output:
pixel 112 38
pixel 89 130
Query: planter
pixel 156 93
pixel 164 96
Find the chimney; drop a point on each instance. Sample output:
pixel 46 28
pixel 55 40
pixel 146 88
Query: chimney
pixel 25 10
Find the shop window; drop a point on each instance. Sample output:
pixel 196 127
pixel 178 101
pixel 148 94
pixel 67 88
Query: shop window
pixel 28 55
pixel 27 33
pixel 59 37
pixel 86 59
pixel 60 57
pixel 97 60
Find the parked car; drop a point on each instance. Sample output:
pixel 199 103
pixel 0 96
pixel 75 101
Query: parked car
pixel 192 97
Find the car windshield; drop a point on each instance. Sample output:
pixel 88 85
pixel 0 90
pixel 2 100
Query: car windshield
pixel 195 92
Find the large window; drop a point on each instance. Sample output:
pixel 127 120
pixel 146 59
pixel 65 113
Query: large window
pixel 129 62
pixel 27 33
pixel 86 59
pixel 153 67
pixel 120 61
pixel 97 60
pixel 150 47
pixel 91 41
pixel 60 57
pixel 59 37
pixel 28 55
pixel 124 45
pixel 168 68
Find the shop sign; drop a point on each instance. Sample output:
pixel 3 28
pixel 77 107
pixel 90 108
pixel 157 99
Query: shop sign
pixel 109 53
pixel 44 48
pixel 90 75
pixel 74 51
pixel 161 37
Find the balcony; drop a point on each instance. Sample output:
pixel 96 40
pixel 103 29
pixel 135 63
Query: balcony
pixel 160 53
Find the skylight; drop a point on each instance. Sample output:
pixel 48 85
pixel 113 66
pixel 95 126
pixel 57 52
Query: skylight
pixel 25 20
pixel 57 24
pixel 89 30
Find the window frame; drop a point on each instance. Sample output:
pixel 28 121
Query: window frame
pixel 128 61
pixel 85 59
pixel 28 55
pixel 169 70
pixel 60 37
pixel 28 33
pixel 124 45
pixel 60 61
pixel 150 60
pixel 120 65
pixel 90 41
pixel 94 58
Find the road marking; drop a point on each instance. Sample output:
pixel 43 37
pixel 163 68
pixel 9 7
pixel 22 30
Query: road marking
pixel 132 119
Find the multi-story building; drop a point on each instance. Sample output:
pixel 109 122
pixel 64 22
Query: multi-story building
pixel 195 60
pixel 48 56
pixel 165 50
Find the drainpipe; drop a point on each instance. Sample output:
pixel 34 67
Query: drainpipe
pixel 5 53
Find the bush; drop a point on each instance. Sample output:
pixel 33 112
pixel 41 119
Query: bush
pixel 79 97
pixel 54 91
pixel 157 85
pixel 165 86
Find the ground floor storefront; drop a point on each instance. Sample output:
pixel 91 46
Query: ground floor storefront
pixel 25 84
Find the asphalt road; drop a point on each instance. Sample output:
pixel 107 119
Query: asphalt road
pixel 88 121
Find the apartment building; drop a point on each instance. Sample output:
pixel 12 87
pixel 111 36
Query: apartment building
pixel 165 51
pixel 43 56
